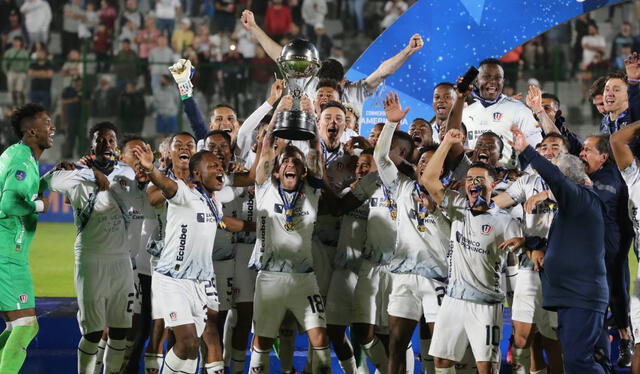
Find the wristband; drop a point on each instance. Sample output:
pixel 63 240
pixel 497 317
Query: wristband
pixel 633 80
pixel 186 91
pixel 39 206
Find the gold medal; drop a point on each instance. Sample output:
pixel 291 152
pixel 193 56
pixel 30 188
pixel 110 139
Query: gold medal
pixel 289 226
pixel 422 228
pixel 393 214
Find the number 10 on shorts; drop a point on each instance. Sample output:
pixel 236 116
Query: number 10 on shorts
pixel 493 335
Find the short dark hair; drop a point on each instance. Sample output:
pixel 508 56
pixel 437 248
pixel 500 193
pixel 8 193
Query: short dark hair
pixel 617 75
pixel 431 147
pixel 22 115
pixel 481 165
pixel 556 135
pixel 597 87
pixel 419 119
pixel 104 125
pixel 131 138
pixel 20 38
pixel 551 96
pixel 223 133
pixel 603 146
pixel 493 134
pixel 331 83
pixel 333 104
pixel 332 69
pixel 405 137
pixel 224 105
pixel 444 84
pixel 490 61
pixel 368 151
pixel 185 133
pixel 195 159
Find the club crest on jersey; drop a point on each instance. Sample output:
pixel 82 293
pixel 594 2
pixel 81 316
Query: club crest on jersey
pixel 200 217
pixel 278 208
pixel 20 175
pixel 486 229
pixel 497 116
pixel 173 316
pixel 23 298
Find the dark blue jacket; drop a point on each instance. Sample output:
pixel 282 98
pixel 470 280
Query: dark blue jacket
pixel 573 273
pixel 196 120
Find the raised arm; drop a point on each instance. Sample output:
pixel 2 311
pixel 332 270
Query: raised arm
pixel 268 152
pixel 620 144
pixel 144 155
pixel 182 71
pixel 388 67
pixel 632 67
pixel 386 168
pixel 534 101
pixel 430 178
pixel 455 122
pixel 272 48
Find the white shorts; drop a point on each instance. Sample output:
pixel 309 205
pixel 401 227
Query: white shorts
pixel 183 301
pixel 105 293
pixel 278 293
pixel 413 296
pixel 16 81
pixel 461 323
pixel 372 295
pixel 340 297
pixel 223 271
pixel 527 304
pixel 322 266
pixel 244 279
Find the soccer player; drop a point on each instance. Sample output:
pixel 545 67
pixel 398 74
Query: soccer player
pixel 103 271
pixel 418 266
pixel 476 258
pixel 444 95
pixel 20 204
pixel 287 194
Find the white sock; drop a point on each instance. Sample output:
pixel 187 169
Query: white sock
pixel 87 352
pixel 238 358
pixel 127 353
pixel 102 345
pixel 259 363
pixel 175 365
pixel 322 360
pixel 411 359
pixel 216 367
pixel 451 370
pixel 377 354
pixel 428 366
pixel 287 344
pixel 537 371
pixel 349 365
pixel 114 355
pixel 521 360
pixel 153 361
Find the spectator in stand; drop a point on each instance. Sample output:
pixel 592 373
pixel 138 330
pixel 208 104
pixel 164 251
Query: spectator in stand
pixel 536 58
pixel 261 70
pixel 37 18
pixel 512 64
pixel 202 41
pixel 71 117
pixel 73 15
pixel 167 11
pixel 104 101
pixel 322 41
pixel 245 41
pixel 597 99
pixel 393 9
pixel 146 40
pixel 225 16
pixel 581 27
pixel 13 29
pixel 277 21
pixel 125 65
pixel 183 36
pixel 313 13
pixel 620 40
pixel 356 8
pixel 165 103
pixel 128 32
pixel 7 7
pixel 102 48
pixel 108 15
pixel 88 25
pixel 72 68
pixel 159 58
pixel 131 13
pixel 625 51
pixel 598 67
pixel 40 47
pixel 234 76
pixel 591 45
pixel 15 64
pixel 132 110
pixel 41 72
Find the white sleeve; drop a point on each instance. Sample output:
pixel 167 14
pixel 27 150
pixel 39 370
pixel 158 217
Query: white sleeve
pixel 529 126
pixel 366 187
pixel 181 197
pixel 631 174
pixel 512 229
pixel 386 169
pixel 453 205
pixel 516 190
pixel 64 181
pixel 245 137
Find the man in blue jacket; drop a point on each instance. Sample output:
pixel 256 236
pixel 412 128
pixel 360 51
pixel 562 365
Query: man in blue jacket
pixel 573 271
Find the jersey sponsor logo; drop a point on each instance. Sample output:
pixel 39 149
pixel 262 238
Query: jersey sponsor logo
pixel 497 116
pixel 21 175
pixel 486 229
pixel 297 211
pixel 205 218
pixel 173 316
pixel 23 298
pixel 469 244
pixel 182 245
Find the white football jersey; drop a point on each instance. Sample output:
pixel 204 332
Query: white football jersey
pixel 631 176
pixel 381 229
pixel 223 245
pixel 139 210
pixel 190 232
pixel 278 249
pixel 100 216
pixel 475 262
pixel 353 233
pixel 499 118
pixel 354 93
pixel 246 210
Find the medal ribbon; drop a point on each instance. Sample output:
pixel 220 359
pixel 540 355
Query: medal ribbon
pixel 328 157
pixel 289 204
pixel 212 207
pixel 421 212
pixel 391 205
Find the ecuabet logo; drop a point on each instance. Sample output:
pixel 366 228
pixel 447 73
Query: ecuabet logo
pixel 497 116
pixel 23 298
pixel 486 229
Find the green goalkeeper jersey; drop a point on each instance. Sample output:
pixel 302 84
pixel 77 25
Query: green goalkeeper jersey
pixel 20 179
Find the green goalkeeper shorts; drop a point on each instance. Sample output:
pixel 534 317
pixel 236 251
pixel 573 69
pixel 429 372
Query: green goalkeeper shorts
pixel 16 285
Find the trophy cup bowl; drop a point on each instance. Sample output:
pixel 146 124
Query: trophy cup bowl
pixel 299 62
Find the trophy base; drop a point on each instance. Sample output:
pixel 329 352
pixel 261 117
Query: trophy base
pixel 295 125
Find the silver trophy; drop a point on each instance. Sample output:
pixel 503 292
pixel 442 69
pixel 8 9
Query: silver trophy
pixel 299 62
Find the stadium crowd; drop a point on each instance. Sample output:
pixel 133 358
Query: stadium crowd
pixel 227 230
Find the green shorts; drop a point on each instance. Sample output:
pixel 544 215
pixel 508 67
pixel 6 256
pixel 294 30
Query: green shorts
pixel 16 286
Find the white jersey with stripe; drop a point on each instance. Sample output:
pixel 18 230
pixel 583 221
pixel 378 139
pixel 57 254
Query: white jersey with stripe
pixel 276 248
pixel 499 118
pixel 223 246
pixel 100 216
pixel 352 237
pixel 475 262
pixel 190 233
pixel 631 175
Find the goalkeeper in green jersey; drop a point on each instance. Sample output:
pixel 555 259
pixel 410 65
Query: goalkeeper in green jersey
pixel 19 208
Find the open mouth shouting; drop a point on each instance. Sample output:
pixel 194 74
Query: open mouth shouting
pixel 441 109
pixel 483 157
